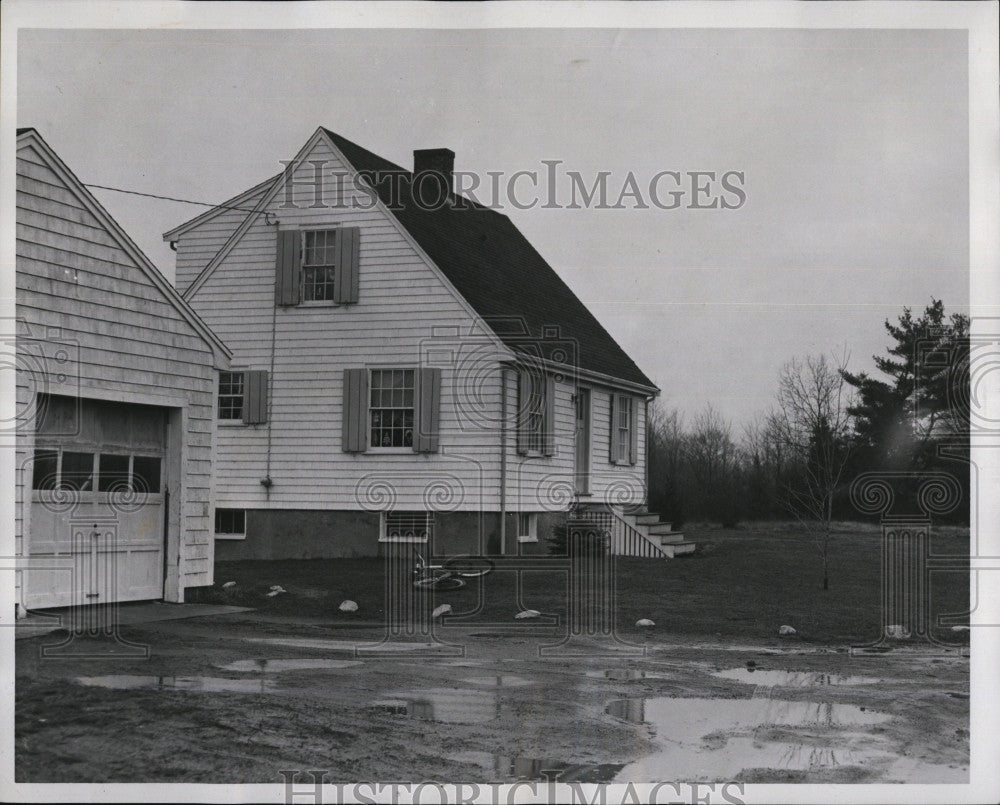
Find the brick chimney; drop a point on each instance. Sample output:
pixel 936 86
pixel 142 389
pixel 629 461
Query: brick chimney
pixel 436 160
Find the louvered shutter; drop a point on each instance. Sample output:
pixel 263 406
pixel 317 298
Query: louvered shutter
pixel 287 269
pixel 427 400
pixel 633 448
pixel 613 451
pixel 346 281
pixel 354 417
pixel 523 390
pixel 549 417
pixel 255 397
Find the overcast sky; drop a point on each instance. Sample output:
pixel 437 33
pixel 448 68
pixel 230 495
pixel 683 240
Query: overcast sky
pixel 853 146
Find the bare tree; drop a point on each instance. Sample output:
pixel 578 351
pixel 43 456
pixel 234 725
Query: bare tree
pixel 712 459
pixel 812 425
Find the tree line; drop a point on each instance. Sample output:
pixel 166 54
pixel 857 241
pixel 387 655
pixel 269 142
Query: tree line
pixel 825 427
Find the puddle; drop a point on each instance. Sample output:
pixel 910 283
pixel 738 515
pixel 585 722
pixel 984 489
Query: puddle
pixel 622 674
pixel 283 666
pixel 500 681
pixel 792 679
pixel 716 739
pixel 447 706
pixel 203 684
pixel 328 644
pixel 718 714
pixel 506 767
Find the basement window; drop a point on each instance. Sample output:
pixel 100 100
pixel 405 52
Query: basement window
pixel 527 527
pixel 414 526
pixel 230 523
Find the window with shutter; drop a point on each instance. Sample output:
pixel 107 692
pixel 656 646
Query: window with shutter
pixel 535 413
pixel 317 266
pixel 622 430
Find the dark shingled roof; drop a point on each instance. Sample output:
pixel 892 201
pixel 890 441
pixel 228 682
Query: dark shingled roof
pixel 498 272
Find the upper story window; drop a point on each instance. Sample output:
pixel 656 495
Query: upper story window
pixel 319 265
pixel 231 395
pixel 391 407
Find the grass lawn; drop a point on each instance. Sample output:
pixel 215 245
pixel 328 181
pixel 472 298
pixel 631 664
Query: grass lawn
pixel 741 583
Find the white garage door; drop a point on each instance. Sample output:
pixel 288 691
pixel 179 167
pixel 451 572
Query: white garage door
pixel 96 525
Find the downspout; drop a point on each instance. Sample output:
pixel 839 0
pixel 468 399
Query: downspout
pixel 503 460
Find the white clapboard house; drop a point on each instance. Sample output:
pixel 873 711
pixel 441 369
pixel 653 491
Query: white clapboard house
pixel 115 402
pixel 406 367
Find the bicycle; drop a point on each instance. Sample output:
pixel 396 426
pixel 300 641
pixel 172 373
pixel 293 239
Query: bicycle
pixel 451 575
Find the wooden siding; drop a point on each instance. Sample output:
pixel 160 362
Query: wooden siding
pixel 77 287
pixel 406 315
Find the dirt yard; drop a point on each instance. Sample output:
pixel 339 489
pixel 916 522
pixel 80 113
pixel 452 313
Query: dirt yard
pixel 710 693
pixel 237 698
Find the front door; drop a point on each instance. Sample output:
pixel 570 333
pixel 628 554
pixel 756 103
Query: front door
pixel 582 455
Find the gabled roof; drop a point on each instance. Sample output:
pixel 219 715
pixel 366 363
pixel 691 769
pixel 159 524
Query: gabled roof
pixel 497 270
pixel 489 263
pixel 30 137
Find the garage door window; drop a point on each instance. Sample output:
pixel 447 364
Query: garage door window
pixel 113 472
pixel 46 469
pixel 146 473
pixel 77 470
pixel 73 469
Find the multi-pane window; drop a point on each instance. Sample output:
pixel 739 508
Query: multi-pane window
pixel 408 526
pixel 319 265
pixel 391 407
pixel 623 425
pixel 534 412
pixel 231 395
pixel 231 522
pixel 77 470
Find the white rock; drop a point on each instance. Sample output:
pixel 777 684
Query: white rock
pixel 275 592
pixel 896 631
pixel 277 588
pixel 348 606
pixel 786 630
pixel 228 585
pixel 645 623
pixel 441 610
pixel 527 613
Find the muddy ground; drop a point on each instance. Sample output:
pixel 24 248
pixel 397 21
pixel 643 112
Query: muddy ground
pixel 212 703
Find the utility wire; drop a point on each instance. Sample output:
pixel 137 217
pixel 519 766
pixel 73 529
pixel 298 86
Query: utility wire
pixel 168 198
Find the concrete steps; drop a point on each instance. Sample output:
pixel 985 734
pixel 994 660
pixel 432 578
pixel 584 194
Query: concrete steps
pixel 678 549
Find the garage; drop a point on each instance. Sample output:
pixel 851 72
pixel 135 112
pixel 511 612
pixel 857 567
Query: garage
pixel 115 398
pixel 97 502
